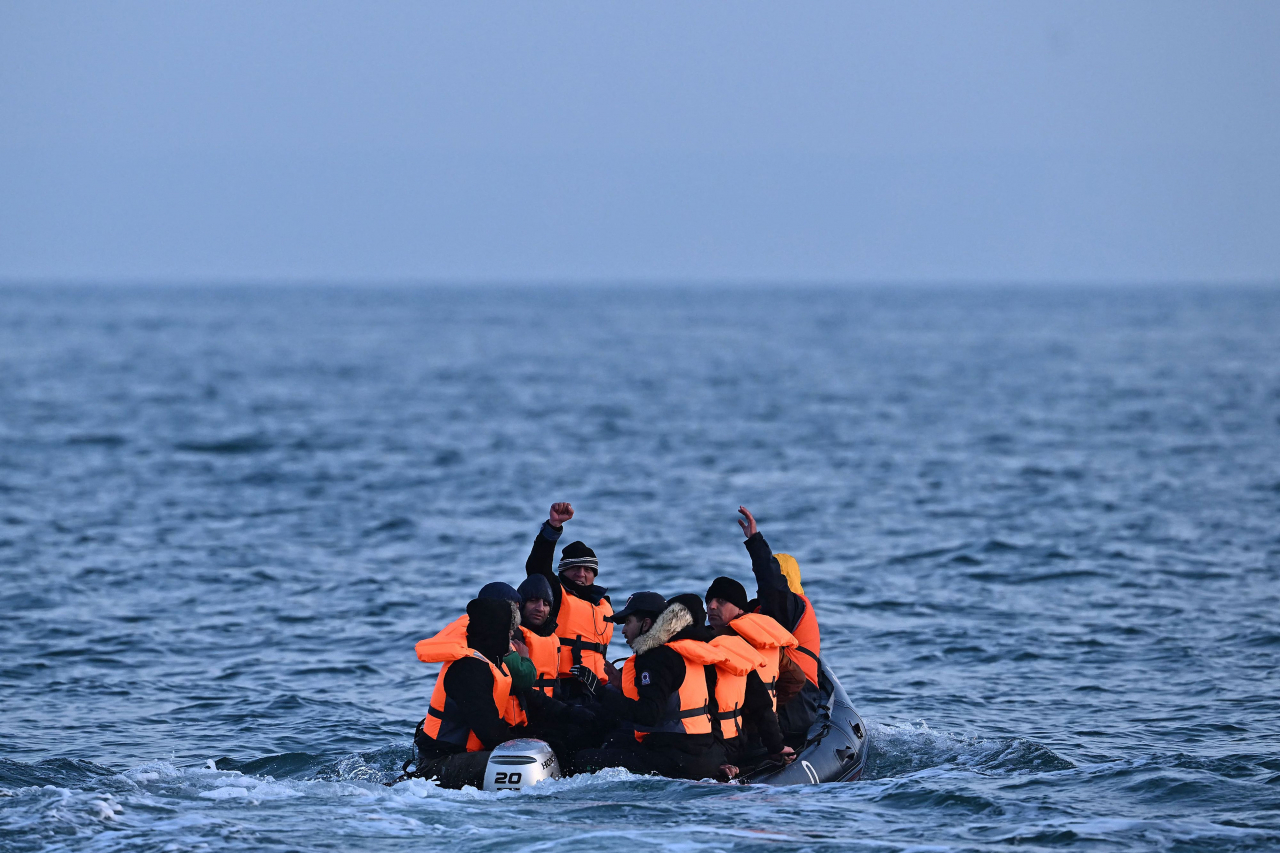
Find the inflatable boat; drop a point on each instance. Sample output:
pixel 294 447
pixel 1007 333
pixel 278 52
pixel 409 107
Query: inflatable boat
pixel 835 750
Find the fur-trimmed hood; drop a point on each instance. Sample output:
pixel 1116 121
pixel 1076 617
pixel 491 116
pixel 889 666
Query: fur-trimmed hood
pixel 670 622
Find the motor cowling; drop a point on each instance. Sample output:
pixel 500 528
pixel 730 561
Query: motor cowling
pixel 520 763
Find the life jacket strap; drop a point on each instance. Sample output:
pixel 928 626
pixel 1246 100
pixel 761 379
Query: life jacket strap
pixel 727 715
pixel 579 645
pixel 694 712
pixel 432 711
pixel 546 682
pixel 807 652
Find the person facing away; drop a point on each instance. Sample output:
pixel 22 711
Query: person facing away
pixel 471 711
pixel 517 659
pixel 780 595
pixel 580 610
pixel 665 695
pixel 746 690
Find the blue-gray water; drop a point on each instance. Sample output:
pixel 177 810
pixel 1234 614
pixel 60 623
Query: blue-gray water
pixel 1040 528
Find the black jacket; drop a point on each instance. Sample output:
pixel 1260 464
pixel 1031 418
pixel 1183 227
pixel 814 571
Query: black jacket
pixel 659 672
pixel 468 685
pixel 774 596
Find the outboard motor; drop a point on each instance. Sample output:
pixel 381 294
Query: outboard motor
pixel 520 763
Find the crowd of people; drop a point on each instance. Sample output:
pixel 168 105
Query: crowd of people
pixel 718 683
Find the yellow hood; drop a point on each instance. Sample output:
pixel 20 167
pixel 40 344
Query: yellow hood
pixel 790 571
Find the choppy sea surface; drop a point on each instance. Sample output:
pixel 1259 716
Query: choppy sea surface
pixel 1041 528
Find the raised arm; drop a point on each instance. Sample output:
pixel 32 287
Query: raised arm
pixel 775 597
pixel 542 558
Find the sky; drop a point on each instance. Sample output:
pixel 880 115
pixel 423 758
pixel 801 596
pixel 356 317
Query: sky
pixel 476 141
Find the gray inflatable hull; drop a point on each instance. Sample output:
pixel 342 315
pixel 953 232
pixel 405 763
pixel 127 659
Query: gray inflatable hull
pixel 835 749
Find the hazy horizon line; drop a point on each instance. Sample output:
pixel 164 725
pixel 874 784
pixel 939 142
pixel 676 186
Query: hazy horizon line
pixel 578 282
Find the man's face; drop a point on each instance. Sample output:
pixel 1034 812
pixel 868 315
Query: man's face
pixel 580 575
pixel 534 612
pixel 634 627
pixel 721 613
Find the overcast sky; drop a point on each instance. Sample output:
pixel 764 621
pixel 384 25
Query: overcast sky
pixel 603 141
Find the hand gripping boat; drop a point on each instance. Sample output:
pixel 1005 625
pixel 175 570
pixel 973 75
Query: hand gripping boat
pixel 835 750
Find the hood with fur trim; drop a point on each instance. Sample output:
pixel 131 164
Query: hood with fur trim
pixel 670 622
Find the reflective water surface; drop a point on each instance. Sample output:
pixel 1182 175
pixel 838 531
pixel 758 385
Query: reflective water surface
pixel 1040 528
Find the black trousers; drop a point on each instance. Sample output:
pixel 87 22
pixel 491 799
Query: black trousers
pixel 795 717
pixel 453 770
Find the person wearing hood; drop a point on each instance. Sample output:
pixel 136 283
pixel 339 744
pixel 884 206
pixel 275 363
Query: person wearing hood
pixel 538 630
pixel 745 687
pixel 666 693
pixel 518 660
pixel 780 595
pixel 471 711
pixel 580 610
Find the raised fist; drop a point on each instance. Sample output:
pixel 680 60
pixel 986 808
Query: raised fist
pixel 560 513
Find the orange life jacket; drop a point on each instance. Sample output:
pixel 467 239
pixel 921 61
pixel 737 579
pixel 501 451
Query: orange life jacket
pixel 731 682
pixel 544 652
pixel 444 721
pixel 455 631
pixel 810 639
pixel 688 710
pixel 766 636
pixel 584 631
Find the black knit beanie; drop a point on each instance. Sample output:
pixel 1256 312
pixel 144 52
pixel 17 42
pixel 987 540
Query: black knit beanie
pixel 536 586
pixel 729 590
pixel 578 554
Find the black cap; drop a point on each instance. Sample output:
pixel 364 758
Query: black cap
pixel 640 604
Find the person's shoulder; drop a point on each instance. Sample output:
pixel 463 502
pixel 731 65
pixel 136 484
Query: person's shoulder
pixel 471 666
pixel 662 655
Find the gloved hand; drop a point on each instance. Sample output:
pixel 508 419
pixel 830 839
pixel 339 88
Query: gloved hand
pixel 581 717
pixel 787 755
pixel 588 679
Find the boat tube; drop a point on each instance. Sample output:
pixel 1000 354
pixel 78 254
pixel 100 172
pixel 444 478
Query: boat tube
pixel 835 748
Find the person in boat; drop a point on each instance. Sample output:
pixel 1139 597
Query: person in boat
pixel 471 710
pixel 580 610
pixel 538 630
pixel 746 685
pixel 665 694
pixel 517 660
pixel 780 595
pixel 529 709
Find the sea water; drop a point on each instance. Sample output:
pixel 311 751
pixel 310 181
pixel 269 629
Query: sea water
pixel 1040 527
